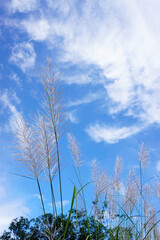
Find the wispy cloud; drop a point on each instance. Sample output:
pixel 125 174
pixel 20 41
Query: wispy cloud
pixel 79 79
pixel 108 134
pixel 106 35
pixel 91 97
pixel 9 210
pixel 14 115
pixel 23 55
pixel 16 79
pixel 37 196
pixel 22 6
pixel 72 117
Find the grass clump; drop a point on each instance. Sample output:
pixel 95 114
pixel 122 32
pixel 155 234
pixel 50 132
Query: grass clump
pixel 120 209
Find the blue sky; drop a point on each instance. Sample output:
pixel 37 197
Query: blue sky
pixel 108 53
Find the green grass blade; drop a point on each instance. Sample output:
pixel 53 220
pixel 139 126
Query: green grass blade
pixel 69 216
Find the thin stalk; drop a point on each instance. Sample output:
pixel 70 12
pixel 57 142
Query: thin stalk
pixel 80 182
pixel 57 148
pixel 40 192
pixel 50 180
pixel 84 203
pixel 149 221
pixel 57 151
pixel 145 210
pixel 128 217
pixel 53 197
pixel 141 193
pixel 151 229
pixel 59 173
pixel 76 211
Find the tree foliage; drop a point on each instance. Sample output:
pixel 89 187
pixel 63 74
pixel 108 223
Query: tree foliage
pixel 38 228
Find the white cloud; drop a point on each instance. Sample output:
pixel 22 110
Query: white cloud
pixel 22 6
pixel 16 79
pixel 23 55
pixel 65 202
pixel 111 134
pixel 80 79
pixel 72 117
pixel 61 6
pixel 91 97
pixel 124 47
pixel 14 114
pixel 39 29
pixel 9 210
pixel 106 34
pixel 37 196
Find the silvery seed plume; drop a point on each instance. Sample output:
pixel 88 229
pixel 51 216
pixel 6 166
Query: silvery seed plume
pixel 110 199
pixel 155 233
pixel 80 202
pixel 151 220
pixel 46 149
pixel 26 148
pixel 143 156
pixel 53 105
pixel 117 171
pixel 75 150
pixel 54 113
pixel 131 193
pixel 147 190
pixel 94 170
pixel 99 178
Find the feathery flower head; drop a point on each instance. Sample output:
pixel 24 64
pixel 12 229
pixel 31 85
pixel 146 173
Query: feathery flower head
pixel 131 193
pixel 99 178
pixel 53 106
pixel 75 150
pixel 117 171
pixel 27 147
pixel 143 155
